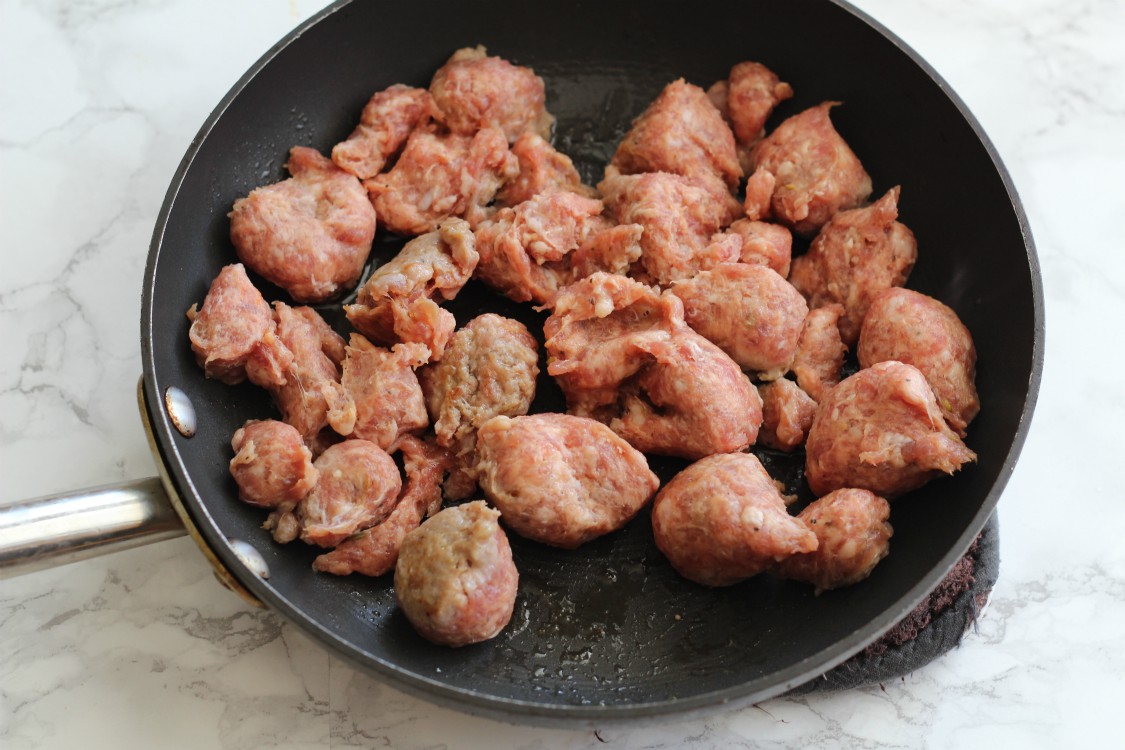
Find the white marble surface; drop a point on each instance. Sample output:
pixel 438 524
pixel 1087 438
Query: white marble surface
pixel 98 101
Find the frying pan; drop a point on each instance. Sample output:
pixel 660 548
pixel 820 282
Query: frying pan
pixel 607 632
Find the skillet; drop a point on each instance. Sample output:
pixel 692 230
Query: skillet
pixel 607 632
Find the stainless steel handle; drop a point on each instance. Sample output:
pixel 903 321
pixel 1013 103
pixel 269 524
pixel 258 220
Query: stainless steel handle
pixel 64 528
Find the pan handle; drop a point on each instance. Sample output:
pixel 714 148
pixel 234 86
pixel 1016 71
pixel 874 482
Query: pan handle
pixel 64 528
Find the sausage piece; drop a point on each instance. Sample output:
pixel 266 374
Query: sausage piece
pixel 749 311
pixel 233 321
pixel 310 234
pixel 682 133
pixel 488 370
pixel 857 255
pixel 680 218
pixel 787 415
pixel 474 91
pixel 820 352
pixel 357 488
pixel 438 176
pixel 374 551
pixel 542 170
pixel 910 327
pixel 455 579
pixel 753 92
pixel 387 120
pixel 397 304
pixel 816 173
pixel 853 535
pixel 272 466
pixel 383 394
pixel 764 244
pixel 523 249
pixel 881 430
pixel 559 479
pixel 722 520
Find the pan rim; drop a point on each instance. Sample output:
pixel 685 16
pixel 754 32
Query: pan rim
pixel 571 714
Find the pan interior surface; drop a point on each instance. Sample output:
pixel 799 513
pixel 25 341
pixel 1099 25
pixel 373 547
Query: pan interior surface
pixel 609 630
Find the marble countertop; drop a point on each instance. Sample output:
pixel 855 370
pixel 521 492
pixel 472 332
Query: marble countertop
pixel 99 100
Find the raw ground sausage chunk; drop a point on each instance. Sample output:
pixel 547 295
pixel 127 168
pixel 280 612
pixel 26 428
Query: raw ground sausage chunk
pixel 387 121
pixel 753 92
pixel 488 370
pixel 787 415
pixel 559 479
pixel 857 255
pixel 682 133
pixel 310 234
pixel 764 244
pixel 397 304
pixel 438 176
pixel 357 488
pixel 749 311
pixel 474 91
pixel 542 169
pixel 523 249
pixel 374 551
pixel 817 173
pixel 227 330
pixel 384 399
pixel 455 579
pixel 881 430
pixel 820 352
pixel 910 327
pixel 722 520
pixel 680 219
pixel 854 534
pixel 272 466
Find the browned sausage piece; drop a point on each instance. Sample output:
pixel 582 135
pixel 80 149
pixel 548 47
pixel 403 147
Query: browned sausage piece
pixel 680 220
pixel 310 234
pixel 488 370
pixel 385 397
pixel 272 465
pixel 455 579
pixel 357 488
pixel 438 176
pixel 722 520
pixel 749 311
pixel 474 91
pixel 229 327
pixel 817 174
pixel 523 249
pixel 387 121
pixel 910 327
pixel 754 90
pixel 787 415
pixel 881 430
pixel 374 551
pixel 542 169
pixel 682 133
pixel 397 304
pixel 764 244
pixel 559 479
pixel 854 534
pixel 310 398
pixel 820 352
pixel 857 255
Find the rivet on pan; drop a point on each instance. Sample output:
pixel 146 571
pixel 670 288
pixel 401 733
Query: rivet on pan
pixel 180 410
pixel 250 557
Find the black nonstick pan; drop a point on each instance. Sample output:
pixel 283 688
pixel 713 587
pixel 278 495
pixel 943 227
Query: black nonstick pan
pixel 607 632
